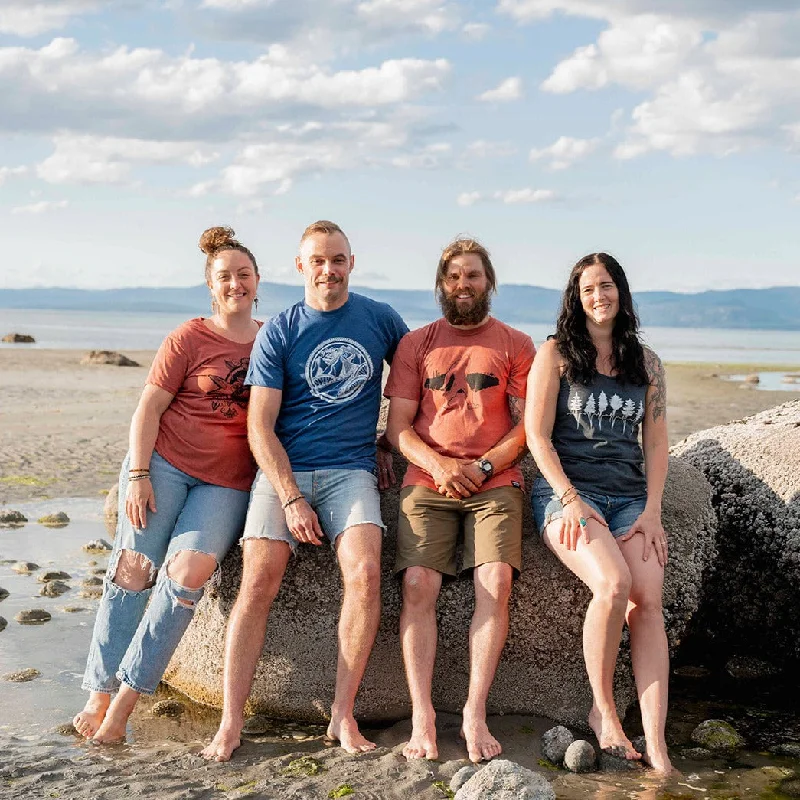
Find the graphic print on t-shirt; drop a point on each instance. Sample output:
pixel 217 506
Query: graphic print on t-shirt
pixel 456 385
pixel 230 395
pixel 338 369
pixel 590 411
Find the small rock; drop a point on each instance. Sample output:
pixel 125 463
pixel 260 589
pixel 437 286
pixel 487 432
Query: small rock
pixel 690 671
pixel 639 744
pixel 36 616
pixel 12 519
pixel 108 357
pixel 73 609
pixel 747 668
pixel 92 593
pixel 25 567
pixel 67 729
pixel 3 623
pixel 788 749
pixel 168 708
pixel 3 593
pixel 19 338
pixel 99 571
pixel 613 762
pixel 258 725
pixel 555 743
pixel 718 736
pixel 580 757
pixel 54 589
pixel 790 787
pixel 57 520
pixel 461 777
pixel 696 753
pixel 22 676
pixel 111 510
pixel 501 779
pixel 54 575
pixel 97 546
pixel 92 582
pixel 752 379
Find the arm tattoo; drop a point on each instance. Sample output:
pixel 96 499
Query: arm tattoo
pixel 515 406
pixel 521 453
pixel 655 371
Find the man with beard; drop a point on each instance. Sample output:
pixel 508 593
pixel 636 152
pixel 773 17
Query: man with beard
pixel 457 389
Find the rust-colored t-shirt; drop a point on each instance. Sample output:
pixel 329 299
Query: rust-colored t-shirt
pixel 203 432
pixel 461 380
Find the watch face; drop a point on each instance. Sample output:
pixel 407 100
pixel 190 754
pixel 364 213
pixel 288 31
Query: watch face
pixel 486 467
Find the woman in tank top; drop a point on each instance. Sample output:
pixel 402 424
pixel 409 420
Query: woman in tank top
pixel 183 492
pixel 598 500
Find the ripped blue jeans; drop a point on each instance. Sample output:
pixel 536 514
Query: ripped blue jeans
pixel 133 640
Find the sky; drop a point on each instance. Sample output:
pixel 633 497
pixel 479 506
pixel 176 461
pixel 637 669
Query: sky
pixel 665 132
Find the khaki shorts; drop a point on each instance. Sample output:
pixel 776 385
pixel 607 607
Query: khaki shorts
pixel 429 525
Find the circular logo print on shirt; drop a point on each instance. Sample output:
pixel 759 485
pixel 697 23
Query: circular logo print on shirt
pixel 337 370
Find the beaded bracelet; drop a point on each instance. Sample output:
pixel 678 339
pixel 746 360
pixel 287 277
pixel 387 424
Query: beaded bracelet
pixel 291 500
pixel 146 476
pixel 569 500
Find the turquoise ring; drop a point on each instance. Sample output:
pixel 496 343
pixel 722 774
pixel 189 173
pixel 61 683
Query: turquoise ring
pixel 582 522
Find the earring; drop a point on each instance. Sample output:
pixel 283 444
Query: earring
pixel 255 302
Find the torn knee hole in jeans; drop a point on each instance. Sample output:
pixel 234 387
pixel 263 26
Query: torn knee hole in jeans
pixel 136 571
pixel 211 582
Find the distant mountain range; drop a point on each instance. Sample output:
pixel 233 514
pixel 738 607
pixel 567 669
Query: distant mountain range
pixel 771 309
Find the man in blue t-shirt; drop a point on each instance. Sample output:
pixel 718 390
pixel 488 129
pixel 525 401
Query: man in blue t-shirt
pixel 315 378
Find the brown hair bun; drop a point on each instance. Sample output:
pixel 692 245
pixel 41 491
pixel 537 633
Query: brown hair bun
pixel 214 239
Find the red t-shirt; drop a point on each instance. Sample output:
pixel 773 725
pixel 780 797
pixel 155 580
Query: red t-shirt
pixel 203 432
pixel 461 380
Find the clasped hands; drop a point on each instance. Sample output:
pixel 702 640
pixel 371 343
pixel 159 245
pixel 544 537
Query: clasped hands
pixel 457 478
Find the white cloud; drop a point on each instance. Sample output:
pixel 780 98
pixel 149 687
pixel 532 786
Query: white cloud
pixel 41 207
pixel 30 18
pixel 475 31
pixel 480 148
pixel 508 90
pixel 565 151
pixel 508 196
pixel 431 16
pixel 11 172
pixel 96 159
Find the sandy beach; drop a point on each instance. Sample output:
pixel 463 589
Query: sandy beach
pixel 64 432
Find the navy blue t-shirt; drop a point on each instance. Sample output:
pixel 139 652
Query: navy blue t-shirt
pixel 329 365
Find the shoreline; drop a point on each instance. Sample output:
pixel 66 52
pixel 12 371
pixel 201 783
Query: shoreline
pixel 65 425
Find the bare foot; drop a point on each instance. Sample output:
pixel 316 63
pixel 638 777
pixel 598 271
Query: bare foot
pixel 423 738
pixel 481 745
pixel 659 761
pixel 112 730
pixel 345 731
pixel 610 736
pixel 223 745
pixel 88 721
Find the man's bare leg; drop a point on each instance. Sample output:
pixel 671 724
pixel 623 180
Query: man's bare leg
pixel 418 636
pixel 264 563
pixel 359 553
pixel 487 635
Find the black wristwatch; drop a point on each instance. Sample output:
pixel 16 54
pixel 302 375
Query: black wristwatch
pixel 486 467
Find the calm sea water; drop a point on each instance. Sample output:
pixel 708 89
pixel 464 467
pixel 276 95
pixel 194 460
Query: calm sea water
pixel 82 330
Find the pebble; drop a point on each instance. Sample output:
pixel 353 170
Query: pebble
pixel 67 729
pixel 54 575
pixel 3 593
pixel 3 623
pixel 24 567
pixel 22 676
pixel 639 744
pixel 618 763
pixel 12 519
pixel 73 609
pixel 97 546
pixel 54 589
pixel 91 582
pixel 168 708
pixel 555 743
pixel 57 520
pixel 461 777
pixel 696 753
pixel 91 593
pixel 747 668
pixel 501 778
pixel 35 616
pixel 580 757
pixel 258 725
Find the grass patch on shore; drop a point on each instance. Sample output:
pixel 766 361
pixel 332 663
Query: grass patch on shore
pixel 26 480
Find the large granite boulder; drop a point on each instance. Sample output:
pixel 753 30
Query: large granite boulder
pixel 541 671
pixel 749 604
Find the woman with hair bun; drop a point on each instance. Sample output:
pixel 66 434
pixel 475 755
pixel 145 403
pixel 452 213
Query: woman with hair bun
pixel 597 502
pixel 183 492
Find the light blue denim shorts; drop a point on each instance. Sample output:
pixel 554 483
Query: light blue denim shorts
pixel 619 512
pixel 341 498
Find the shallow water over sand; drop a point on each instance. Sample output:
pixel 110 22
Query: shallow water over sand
pixel 29 712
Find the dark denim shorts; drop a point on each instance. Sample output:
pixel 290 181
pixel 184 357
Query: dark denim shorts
pixel 619 512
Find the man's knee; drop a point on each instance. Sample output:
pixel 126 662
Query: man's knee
pixel 494 582
pixel 421 586
pixel 363 577
pixel 263 565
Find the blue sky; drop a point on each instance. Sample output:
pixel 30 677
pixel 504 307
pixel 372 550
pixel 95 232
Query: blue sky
pixel 665 132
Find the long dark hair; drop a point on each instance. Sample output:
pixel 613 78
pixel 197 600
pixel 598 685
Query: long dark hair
pixel 573 339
